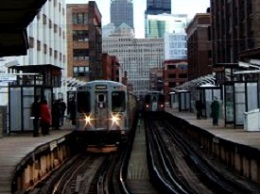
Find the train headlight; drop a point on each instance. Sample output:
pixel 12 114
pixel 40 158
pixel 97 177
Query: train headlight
pixel 115 119
pixel 87 120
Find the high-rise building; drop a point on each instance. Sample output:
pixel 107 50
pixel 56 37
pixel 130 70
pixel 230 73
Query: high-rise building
pixel 157 25
pixel 155 7
pixel 121 11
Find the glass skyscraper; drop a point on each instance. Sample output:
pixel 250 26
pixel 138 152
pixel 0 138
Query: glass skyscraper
pixel 155 7
pixel 121 11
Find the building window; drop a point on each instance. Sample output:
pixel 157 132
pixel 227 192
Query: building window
pixel 171 67
pixel 80 54
pixel 172 75
pixel 50 50
pixel 182 75
pixel 55 28
pixel 80 18
pixel 55 54
pixel 79 71
pixel 50 23
pixel 44 19
pixel 182 67
pixel 80 35
pixel 172 84
pixel 31 42
pixel 38 45
pixel 45 48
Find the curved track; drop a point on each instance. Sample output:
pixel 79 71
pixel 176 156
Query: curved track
pixel 177 167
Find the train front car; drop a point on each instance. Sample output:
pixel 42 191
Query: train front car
pixel 154 101
pixel 102 119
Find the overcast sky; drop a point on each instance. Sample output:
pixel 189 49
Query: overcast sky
pixel 190 7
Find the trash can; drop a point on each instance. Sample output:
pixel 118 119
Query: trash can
pixel 251 120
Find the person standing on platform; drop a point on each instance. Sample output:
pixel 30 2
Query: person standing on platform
pixel 215 110
pixel 45 117
pixel 62 111
pixel 56 112
pixel 199 107
pixel 35 115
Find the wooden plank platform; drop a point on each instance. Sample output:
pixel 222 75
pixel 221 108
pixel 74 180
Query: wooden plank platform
pixel 238 135
pixel 15 147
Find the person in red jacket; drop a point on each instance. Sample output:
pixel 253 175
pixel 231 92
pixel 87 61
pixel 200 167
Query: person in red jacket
pixel 45 117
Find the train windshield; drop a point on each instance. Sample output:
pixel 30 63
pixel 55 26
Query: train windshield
pixel 147 98
pixel 161 98
pixel 83 102
pixel 118 101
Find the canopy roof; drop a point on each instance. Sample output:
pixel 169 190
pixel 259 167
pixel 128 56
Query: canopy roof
pixel 15 16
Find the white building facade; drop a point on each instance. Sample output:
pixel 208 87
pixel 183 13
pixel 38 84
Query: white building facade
pixel 175 45
pixel 136 57
pixel 47 40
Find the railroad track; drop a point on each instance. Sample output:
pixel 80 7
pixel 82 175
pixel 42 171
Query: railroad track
pixel 84 173
pixel 178 167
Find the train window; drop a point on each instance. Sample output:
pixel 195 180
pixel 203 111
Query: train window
pixel 101 98
pixel 161 98
pixel 118 101
pixel 83 102
pixel 147 98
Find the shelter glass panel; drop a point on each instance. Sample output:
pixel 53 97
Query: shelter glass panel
pixel 240 103
pixel 252 100
pixel 229 105
pixel 15 109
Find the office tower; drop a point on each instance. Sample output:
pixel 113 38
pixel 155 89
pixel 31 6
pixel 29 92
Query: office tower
pixel 155 7
pixel 137 57
pixel 121 11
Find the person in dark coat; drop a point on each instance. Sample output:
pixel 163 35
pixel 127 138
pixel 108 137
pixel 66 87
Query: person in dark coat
pixel 56 112
pixel 45 117
pixel 215 110
pixel 35 114
pixel 199 107
pixel 63 107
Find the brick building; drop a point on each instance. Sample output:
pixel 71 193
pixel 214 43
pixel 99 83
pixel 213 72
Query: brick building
pixel 175 72
pixel 199 46
pixel 84 41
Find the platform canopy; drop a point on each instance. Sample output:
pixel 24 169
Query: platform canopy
pixel 203 80
pixel 15 16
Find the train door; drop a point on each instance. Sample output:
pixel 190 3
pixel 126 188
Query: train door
pixel 101 111
pixel 154 104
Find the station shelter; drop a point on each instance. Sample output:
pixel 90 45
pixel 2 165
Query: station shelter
pixel 240 91
pixel 180 99
pixel 31 81
pixel 206 94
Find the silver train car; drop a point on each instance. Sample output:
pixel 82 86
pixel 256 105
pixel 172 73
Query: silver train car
pixel 105 113
pixel 154 101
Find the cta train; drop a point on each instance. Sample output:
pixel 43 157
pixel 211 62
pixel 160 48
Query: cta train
pixel 106 112
pixel 154 101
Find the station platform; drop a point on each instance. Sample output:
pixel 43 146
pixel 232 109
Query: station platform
pixel 19 151
pixel 229 133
